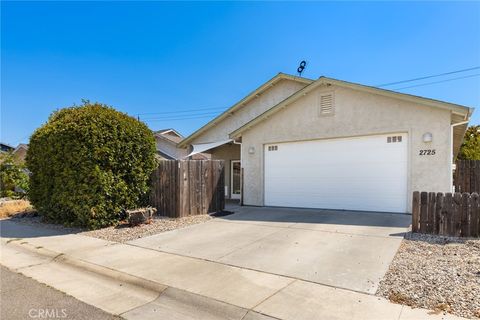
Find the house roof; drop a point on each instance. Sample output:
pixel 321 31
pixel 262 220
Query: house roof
pixel 460 113
pixel 165 155
pixel 21 146
pixel 254 94
pixel 169 130
pixel 169 134
pixel 6 146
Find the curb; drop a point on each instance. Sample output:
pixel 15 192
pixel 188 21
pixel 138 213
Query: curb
pixel 89 267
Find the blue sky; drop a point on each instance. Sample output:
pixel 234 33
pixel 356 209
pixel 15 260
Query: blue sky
pixel 158 57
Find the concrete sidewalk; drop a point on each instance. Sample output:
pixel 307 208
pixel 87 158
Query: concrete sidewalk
pixel 140 283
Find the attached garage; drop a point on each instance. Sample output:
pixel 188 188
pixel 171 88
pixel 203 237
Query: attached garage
pixel 334 144
pixel 359 173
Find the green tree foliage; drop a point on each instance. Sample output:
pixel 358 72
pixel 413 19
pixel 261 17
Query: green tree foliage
pixel 13 177
pixel 89 163
pixel 470 149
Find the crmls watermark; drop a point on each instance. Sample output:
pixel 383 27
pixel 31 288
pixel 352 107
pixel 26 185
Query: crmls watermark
pixel 52 313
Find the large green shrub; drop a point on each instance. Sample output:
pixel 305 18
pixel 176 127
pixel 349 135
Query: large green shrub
pixel 89 163
pixel 13 177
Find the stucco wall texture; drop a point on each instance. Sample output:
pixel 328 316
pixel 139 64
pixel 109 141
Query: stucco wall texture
pixel 356 114
pixel 277 93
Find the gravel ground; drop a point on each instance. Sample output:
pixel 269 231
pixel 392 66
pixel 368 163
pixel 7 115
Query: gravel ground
pixel 122 232
pixel 437 273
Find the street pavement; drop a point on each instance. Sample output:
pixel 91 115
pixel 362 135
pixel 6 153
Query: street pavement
pixel 24 298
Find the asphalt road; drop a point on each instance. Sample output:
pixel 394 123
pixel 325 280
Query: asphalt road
pixel 24 298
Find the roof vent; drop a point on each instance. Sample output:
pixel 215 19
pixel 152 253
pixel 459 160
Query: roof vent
pixel 326 104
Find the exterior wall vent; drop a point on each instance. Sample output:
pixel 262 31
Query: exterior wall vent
pixel 326 104
pixel 394 139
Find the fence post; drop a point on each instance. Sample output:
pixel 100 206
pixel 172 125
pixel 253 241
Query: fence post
pixel 475 215
pixel 446 213
pixel 456 215
pixel 438 213
pixel 431 212
pixel 415 211
pixel 466 210
pixel 423 212
pixel 472 176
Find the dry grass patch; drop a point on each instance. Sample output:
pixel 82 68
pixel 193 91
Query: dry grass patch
pixel 12 207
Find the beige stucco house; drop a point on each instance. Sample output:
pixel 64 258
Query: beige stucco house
pixel 326 143
pixel 166 141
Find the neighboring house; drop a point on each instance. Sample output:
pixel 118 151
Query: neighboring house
pixel 5 147
pixel 19 153
pixel 166 141
pixel 333 144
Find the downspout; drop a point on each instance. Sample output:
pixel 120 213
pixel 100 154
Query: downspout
pixel 451 151
pixel 241 172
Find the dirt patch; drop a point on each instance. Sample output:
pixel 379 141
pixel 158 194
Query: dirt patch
pixel 437 273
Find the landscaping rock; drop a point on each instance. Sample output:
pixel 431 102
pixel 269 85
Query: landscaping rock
pixel 123 231
pixel 435 272
pixel 140 216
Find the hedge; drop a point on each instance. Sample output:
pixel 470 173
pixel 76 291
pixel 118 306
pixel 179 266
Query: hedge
pixel 89 163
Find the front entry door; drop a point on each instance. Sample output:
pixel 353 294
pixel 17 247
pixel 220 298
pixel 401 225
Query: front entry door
pixel 235 183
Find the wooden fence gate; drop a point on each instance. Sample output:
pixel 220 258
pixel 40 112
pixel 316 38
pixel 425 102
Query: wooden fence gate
pixel 188 187
pixel 467 176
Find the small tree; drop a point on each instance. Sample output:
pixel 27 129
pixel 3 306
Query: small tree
pixel 470 149
pixel 89 163
pixel 13 177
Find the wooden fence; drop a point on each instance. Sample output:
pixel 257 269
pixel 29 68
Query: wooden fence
pixel 188 187
pixel 467 176
pixel 448 214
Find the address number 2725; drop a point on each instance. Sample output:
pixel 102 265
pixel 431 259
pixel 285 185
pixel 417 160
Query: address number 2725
pixel 427 152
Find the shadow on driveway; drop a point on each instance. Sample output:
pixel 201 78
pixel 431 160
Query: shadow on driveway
pixel 319 216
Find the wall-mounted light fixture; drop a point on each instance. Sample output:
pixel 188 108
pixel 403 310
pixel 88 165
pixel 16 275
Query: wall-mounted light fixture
pixel 251 150
pixel 427 137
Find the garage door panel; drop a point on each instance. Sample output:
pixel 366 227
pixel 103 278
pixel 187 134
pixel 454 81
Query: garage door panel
pixel 386 204
pixel 364 173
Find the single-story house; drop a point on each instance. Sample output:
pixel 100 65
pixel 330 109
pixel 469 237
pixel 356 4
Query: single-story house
pixel 166 141
pixel 19 153
pixel 4 147
pixel 327 143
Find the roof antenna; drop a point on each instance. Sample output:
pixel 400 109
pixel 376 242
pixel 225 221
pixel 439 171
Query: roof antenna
pixel 301 67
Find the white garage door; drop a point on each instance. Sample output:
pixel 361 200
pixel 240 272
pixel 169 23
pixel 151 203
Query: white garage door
pixel 363 173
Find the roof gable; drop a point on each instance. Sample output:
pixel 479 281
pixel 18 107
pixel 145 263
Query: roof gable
pixel 254 94
pixel 170 135
pixel 462 113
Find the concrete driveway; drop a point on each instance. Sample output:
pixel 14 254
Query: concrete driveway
pixel 350 250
